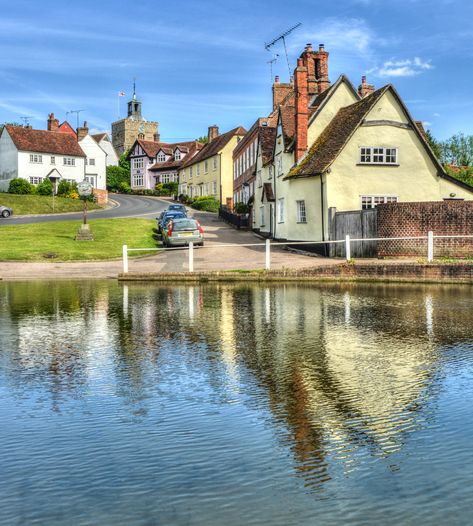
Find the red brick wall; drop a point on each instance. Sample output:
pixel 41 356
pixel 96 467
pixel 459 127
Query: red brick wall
pixel 101 196
pixel 416 219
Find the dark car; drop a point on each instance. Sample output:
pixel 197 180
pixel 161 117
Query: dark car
pixel 177 207
pixel 5 211
pixel 180 232
pixel 168 216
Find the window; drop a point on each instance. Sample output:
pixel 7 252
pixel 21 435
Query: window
pixel 214 188
pixel 378 155
pixel 166 178
pixel 137 180
pixel 36 158
pixel 206 166
pixel 177 155
pixel 301 214
pixel 190 173
pixel 36 180
pixel 281 210
pixel 53 159
pixel 161 157
pixel 371 201
pixel 138 163
pixel 258 179
pixel 279 165
pixel 261 215
pixel 69 161
pixel 92 162
pixel 214 163
pixel 198 170
pixel 91 179
pixel 270 171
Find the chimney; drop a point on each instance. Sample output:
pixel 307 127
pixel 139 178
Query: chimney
pixel 316 63
pixel 302 112
pixel 82 131
pixel 157 137
pixel 364 88
pixel 280 92
pixel 213 132
pixel 53 123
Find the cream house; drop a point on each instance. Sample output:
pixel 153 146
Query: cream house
pixel 347 150
pixel 210 171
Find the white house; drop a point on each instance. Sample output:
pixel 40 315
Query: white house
pixel 103 140
pixel 96 159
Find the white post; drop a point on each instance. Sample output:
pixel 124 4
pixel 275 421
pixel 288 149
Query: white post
pixel 191 256
pixel 347 247
pixel 430 246
pixel 125 259
pixel 268 255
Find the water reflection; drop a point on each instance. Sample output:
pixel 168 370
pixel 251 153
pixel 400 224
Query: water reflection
pixel 339 374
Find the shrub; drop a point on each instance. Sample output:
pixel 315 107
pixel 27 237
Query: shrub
pixel 124 188
pixel 20 186
pixel 45 188
pixel 206 203
pixel 115 176
pixel 240 208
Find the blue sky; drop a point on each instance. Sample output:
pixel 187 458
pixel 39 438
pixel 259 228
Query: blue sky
pixel 203 62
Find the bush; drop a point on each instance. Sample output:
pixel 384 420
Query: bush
pixel 20 186
pixel 115 176
pixel 45 188
pixel 240 208
pixel 206 203
pixel 124 188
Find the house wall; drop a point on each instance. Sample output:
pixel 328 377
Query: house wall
pixel 98 170
pixel 148 176
pixel 26 169
pixel 343 96
pixel 202 184
pixel 112 157
pixel 8 160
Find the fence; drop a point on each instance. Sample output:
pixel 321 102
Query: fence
pixel 237 220
pixel 345 244
pixel 356 224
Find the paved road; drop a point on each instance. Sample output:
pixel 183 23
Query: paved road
pixel 129 206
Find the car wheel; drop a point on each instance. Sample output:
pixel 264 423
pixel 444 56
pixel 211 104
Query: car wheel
pixel 6 213
pixel 201 244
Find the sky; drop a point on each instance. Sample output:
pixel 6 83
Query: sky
pixel 199 63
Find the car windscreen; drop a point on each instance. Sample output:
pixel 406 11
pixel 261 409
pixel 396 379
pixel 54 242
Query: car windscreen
pixel 187 224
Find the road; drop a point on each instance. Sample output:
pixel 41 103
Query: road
pixel 128 206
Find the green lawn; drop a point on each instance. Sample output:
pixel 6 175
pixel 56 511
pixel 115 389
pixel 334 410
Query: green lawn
pixel 55 241
pixel 41 204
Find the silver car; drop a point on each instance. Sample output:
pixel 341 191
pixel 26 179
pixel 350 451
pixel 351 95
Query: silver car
pixel 5 211
pixel 181 231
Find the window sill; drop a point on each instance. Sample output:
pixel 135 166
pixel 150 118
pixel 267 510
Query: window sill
pixel 280 222
pixel 378 164
pixel 301 222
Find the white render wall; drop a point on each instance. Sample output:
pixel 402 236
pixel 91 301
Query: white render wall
pixel 107 147
pixel 26 169
pixel 8 160
pixel 94 151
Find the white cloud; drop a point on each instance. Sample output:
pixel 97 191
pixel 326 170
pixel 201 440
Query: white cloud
pixel 436 114
pixel 426 124
pixel 403 68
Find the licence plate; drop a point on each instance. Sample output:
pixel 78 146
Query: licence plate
pixel 185 234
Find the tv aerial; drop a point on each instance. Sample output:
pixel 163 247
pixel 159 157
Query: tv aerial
pixel 77 112
pixel 26 120
pixel 282 37
pixel 271 62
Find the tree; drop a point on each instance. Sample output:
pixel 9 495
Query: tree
pixel 123 162
pixel 458 150
pixel 115 176
pixel 203 139
pixel 434 144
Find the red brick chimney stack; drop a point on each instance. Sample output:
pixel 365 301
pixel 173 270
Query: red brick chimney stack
pixel 280 91
pixel 364 88
pixel 302 112
pixel 321 69
pixel 213 132
pixel 82 131
pixel 53 123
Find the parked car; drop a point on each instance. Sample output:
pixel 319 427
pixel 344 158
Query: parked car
pixel 181 231
pixel 5 211
pixel 178 208
pixel 167 216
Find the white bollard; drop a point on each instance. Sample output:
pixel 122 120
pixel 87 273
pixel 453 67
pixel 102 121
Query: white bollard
pixel 268 255
pixel 347 247
pixel 430 246
pixel 191 256
pixel 125 259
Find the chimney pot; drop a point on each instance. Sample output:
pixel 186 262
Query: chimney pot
pixel 363 79
pixel 321 47
pixel 308 47
pixel 213 132
pixel 276 79
pixel 53 123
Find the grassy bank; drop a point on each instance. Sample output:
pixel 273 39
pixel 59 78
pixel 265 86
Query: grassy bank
pixel 41 204
pixel 55 241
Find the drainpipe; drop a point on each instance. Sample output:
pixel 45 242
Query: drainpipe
pixel 275 201
pixel 322 207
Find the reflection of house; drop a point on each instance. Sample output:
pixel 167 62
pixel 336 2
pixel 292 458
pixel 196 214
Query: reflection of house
pixel 338 147
pixel 154 162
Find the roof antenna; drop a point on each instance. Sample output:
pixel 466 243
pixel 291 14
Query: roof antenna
pixel 26 120
pixel 271 62
pixel 134 88
pixel 77 111
pixel 282 37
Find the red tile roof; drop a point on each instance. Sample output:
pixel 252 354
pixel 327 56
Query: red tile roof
pixel 189 148
pixel 43 141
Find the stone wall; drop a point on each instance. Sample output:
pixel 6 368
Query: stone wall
pixel 447 218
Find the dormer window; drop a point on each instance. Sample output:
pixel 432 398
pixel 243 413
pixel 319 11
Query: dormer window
pixel 177 155
pixel 161 157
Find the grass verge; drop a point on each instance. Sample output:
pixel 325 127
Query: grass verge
pixel 42 204
pixel 55 241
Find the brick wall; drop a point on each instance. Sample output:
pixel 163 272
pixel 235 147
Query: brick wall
pixel 416 219
pixel 101 196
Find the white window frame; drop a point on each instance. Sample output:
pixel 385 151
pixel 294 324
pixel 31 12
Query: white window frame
pixel 36 158
pixel 91 162
pixel 301 211
pixel 367 202
pixel 190 172
pixel 214 163
pixel 68 161
pixel 214 188
pixel 53 159
pixel 281 210
pixel 197 172
pixel 161 157
pixel 138 163
pixel 259 179
pixel 378 155
pixel 36 180
pixel 206 166
pixel 279 164
pixel 261 216
pixel 177 155
pixel 138 180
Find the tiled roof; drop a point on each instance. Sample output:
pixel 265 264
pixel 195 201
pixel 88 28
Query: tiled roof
pixel 250 134
pixel 100 136
pixel 331 141
pixel 190 148
pixel 267 137
pixel 151 148
pixel 213 147
pixel 288 118
pixel 43 141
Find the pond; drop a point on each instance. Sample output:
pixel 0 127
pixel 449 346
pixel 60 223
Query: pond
pixel 235 405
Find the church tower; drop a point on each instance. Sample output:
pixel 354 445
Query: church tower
pixel 134 126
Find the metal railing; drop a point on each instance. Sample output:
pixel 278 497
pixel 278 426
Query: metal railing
pixel 430 237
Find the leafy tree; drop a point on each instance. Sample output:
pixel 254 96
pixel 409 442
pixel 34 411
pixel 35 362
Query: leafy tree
pixel 20 186
pixel 458 150
pixel 45 188
pixel 203 139
pixel 123 162
pixel 434 144
pixel 115 176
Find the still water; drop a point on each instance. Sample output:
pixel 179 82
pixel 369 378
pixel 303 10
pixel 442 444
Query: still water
pixel 235 405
